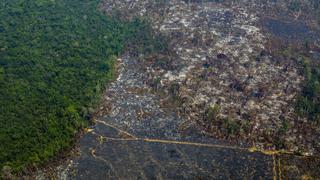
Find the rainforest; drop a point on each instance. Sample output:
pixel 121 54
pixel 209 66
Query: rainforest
pixel 56 57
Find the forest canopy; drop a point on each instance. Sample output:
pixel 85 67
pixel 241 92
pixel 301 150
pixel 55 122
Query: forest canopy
pixel 55 58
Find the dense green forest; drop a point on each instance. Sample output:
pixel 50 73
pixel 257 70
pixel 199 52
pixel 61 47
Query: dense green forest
pixel 308 103
pixel 55 58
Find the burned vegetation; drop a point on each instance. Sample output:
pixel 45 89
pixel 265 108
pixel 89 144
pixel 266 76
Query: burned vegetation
pixel 227 68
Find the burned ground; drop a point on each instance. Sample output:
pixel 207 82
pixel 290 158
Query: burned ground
pixel 221 55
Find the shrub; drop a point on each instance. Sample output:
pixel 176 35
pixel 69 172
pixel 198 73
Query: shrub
pixel 232 127
pixel 213 113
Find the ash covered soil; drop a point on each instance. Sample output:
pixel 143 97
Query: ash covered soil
pixel 153 122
